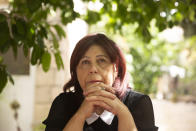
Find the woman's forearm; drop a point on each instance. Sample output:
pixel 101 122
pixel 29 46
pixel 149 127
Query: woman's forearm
pixel 126 121
pixel 76 123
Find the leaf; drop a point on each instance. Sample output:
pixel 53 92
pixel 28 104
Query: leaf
pixel 3 78
pixel 40 40
pixel 40 14
pixel 25 49
pixel 4 33
pixel 59 61
pixel 60 31
pixel 10 78
pixel 67 16
pixel 92 17
pixel 55 42
pixel 38 50
pixel 43 32
pixel 34 57
pixel 5 47
pixel 46 60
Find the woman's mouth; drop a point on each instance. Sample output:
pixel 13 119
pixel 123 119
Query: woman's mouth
pixel 95 81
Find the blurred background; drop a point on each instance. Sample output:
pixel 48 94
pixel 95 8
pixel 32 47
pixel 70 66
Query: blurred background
pixel 158 38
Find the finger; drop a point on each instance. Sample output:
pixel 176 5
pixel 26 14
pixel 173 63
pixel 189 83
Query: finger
pixel 102 93
pixel 114 104
pixel 99 98
pixel 103 105
pixel 97 87
pixel 107 88
pixel 92 87
pixel 91 90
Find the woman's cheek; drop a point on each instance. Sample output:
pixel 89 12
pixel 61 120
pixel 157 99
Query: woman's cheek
pixel 109 80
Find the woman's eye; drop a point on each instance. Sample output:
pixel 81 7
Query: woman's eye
pixel 102 61
pixel 85 62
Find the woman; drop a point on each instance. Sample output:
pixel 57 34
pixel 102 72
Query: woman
pixel 101 99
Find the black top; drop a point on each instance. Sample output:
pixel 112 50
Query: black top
pixel 66 104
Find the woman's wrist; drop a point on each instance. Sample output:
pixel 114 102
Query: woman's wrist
pixel 80 116
pixel 126 120
pixel 123 112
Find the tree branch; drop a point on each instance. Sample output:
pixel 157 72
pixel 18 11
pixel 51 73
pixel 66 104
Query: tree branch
pixel 8 19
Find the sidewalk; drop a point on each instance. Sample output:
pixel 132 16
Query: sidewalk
pixel 171 116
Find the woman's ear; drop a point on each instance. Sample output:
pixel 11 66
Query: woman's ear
pixel 115 71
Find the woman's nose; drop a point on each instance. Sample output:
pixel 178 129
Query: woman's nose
pixel 93 69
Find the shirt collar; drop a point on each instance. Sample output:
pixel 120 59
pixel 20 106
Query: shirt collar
pixel 106 116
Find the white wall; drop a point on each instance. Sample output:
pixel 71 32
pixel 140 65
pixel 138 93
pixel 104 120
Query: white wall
pixel 23 92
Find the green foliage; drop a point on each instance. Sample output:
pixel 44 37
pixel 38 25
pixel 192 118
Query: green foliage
pixel 45 60
pixel 166 13
pixel 148 59
pixel 26 25
pixel 58 60
pixel 92 17
pixel 147 62
pixel 4 77
pixel 59 31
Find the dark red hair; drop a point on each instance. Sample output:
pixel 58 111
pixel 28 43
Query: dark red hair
pixel 112 50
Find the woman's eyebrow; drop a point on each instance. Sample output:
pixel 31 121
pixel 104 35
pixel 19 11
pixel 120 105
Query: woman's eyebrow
pixel 102 56
pixel 85 57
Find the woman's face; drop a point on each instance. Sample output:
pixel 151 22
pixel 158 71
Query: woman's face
pixel 94 67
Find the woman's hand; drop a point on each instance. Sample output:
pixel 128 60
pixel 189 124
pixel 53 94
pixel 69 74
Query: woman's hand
pixel 100 89
pixel 102 96
pixel 96 89
pixel 112 104
pixel 106 96
pixel 116 106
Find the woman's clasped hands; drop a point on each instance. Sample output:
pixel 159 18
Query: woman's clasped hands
pixel 100 97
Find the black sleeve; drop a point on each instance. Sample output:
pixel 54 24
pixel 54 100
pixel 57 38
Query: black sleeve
pixel 142 111
pixel 60 112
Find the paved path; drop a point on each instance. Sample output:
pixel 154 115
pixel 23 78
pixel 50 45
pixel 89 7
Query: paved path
pixel 171 116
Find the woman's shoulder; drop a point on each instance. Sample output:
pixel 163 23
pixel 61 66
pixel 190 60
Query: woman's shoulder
pixel 133 97
pixel 64 99
pixel 63 105
pixel 141 108
pixel 61 110
pixel 136 95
